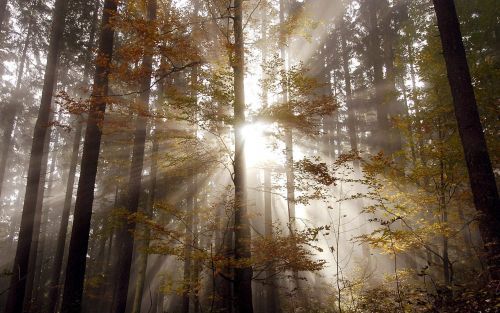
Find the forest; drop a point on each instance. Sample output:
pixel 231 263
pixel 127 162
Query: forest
pixel 241 156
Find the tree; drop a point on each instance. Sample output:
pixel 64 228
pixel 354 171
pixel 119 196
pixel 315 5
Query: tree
pixel 75 269
pixel 16 292
pixel 136 166
pixel 243 273
pixel 374 56
pixel 481 176
pixel 54 282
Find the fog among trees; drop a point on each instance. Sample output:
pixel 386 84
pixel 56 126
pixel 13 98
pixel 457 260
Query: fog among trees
pixel 241 156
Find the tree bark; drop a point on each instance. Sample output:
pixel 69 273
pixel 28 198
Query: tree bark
pixel 242 236
pixel 481 176
pixel 75 269
pixel 16 294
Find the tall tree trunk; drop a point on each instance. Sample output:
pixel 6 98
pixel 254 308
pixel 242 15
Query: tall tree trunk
pixel 30 276
pixel 40 264
pixel 351 115
pixel 12 108
pixel 188 243
pixel 143 255
pixel 393 106
pixel 54 287
pixel 75 269
pixel 3 13
pixel 290 177
pixel 9 117
pixel 135 179
pixel 288 138
pixel 481 176
pixel 270 282
pixel 222 294
pixel 57 268
pixel 242 236
pixel 16 294
pixel 375 58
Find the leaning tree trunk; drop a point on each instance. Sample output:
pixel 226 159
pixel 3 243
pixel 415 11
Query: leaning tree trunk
pixel 136 166
pixel 75 269
pixel 16 294
pixel 242 236
pixel 481 176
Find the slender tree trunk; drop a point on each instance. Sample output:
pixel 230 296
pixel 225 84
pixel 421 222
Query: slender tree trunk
pixel 270 283
pixel 57 268
pixel 107 271
pixel 9 117
pixel 223 244
pixel 54 287
pixel 15 221
pixel 40 264
pixel 143 257
pixel 16 294
pixel 288 138
pixel 481 176
pixel 195 276
pixel 188 244
pixel 375 58
pixel 466 234
pixel 135 180
pixel 75 270
pixel 411 140
pixel 393 106
pixel 30 277
pixel 3 13
pixel 290 177
pixel 242 235
pixel 12 108
pixel 351 115
pixel 443 207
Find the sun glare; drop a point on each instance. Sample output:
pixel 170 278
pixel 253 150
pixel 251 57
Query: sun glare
pixel 258 144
